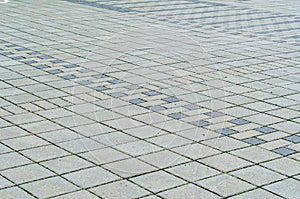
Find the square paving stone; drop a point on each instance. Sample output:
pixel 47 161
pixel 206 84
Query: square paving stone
pixel 151 93
pixel 253 141
pixel 129 167
pixel 27 173
pixel 265 129
pixel 91 177
pixel 101 88
pixel 156 108
pixel 139 147
pixel 133 87
pixel 257 175
pixel 120 189
pixel 78 195
pixel 66 164
pixel 163 159
pixel 57 61
pixel 171 99
pixel 104 156
pixel 25 142
pixel 284 151
pixel 12 159
pixel 288 188
pixel 201 123
pixel 255 154
pixel 226 131
pixel 177 115
pixel 239 121
pixel 284 166
pixel 192 107
pixel 14 193
pixel 193 171
pixel 257 194
pixel 54 72
pixel 114 138
pixel 22 49
pixel 214 114
pixel 169 141
pixel 85 82
pixel 117 94
pixel 115 81
pixel 225 143
pixel 136 101
pixel 195 151
pixel 44 153
pixel 71 66
pixel 49 187
pixel 225 185
pixel 69 77
pixel 293 138
pixel 42 66
pixel 225 162
pixel 157 181
pixel 81 145
pixel 188 191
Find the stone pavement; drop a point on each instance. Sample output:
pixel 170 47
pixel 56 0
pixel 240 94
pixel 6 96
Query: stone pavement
pixel 149 99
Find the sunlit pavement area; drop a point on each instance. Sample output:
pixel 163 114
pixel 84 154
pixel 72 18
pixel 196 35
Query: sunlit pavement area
pixel 149 99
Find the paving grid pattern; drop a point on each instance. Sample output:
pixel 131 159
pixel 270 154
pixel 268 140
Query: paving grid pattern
pixel 154 98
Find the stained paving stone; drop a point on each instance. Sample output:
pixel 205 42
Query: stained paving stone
pixel 115 81
pixel 254 141
pixel 293 138
pixel 284 151
pixel 136 101
pixel 177 115
pixel 239 121
pixel 42 66
pixel 156 108
pixel 151 93
pixel 226 131
pixel 133 87
pixel 214 114
pixel 201 123
pixel 171 99
pixel 69 77
pixel 53 72
pixel 192 107
pixel 101 88
pixel 56 61
pixel 71 66
pixel 266 130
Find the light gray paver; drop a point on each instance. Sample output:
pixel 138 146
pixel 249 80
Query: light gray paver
pixel 120 189
pixel 149 99
pixel 287 188
pixel 49 187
